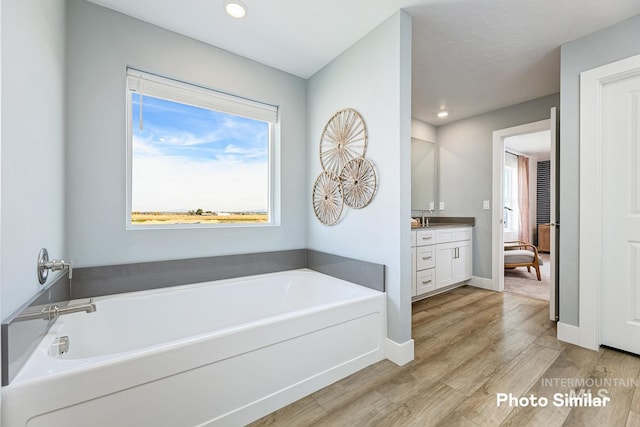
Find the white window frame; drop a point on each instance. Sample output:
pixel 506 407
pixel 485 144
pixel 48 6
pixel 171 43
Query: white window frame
pixel 199 96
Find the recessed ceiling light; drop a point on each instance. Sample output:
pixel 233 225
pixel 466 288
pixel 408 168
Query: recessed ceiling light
pixel 235 8
pixel 442 114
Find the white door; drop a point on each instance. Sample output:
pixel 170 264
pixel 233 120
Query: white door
pixel 620 251
pixel 554 217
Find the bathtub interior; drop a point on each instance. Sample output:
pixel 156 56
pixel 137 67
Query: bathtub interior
pixel 159 317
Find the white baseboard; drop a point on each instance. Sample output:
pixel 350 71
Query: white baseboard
pixel 400 354
pixel 437 291
pixel 569 333
pixel 482 282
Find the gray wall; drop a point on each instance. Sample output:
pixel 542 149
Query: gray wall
pixel 466 165
pixel 101 44
pixel 33 138
pixel 373 77
pixel 611 44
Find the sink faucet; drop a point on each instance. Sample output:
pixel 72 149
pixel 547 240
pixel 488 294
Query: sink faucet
pixel 425 220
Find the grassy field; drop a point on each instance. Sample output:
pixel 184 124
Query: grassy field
pixel 185 218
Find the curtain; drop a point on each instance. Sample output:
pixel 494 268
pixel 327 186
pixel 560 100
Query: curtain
pixel 523 198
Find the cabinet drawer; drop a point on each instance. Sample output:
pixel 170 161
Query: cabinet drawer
pixel 462 234
pixel 425 281
pixel 425 257
pixel 453 235
pixel 425 237
pixel 446 235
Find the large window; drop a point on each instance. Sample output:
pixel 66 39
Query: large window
pixel 197 157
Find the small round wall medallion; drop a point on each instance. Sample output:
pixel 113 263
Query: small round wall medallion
pixel 327 198
pixel 359 183
pixel 344 138
pixel 43 259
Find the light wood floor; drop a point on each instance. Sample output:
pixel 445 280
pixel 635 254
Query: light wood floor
pixel 469 345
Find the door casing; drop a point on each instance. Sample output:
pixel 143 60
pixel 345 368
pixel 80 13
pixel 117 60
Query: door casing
pixel 587 334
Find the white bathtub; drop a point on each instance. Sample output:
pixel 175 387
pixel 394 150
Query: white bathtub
pixel 216 353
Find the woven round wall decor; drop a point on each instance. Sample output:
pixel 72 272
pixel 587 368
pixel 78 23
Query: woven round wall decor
pixel 327 198
pixel 344 138
pixel 359 183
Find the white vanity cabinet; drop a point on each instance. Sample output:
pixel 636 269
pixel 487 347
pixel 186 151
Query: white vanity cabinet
pixel 441 257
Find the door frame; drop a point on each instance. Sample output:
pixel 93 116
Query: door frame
pixel 587 334
pixel 497 231
pixel 554 232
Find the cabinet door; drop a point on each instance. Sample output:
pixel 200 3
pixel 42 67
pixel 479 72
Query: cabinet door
pixel 444 259
pixel 413 272
pixel 461 262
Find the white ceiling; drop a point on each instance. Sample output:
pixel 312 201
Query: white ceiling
pixel 469 56
pixel 537 144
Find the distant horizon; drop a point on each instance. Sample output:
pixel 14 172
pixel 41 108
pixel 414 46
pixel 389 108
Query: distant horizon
pixel 256 211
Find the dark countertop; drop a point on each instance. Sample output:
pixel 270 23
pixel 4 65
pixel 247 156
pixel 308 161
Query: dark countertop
pixel 447 222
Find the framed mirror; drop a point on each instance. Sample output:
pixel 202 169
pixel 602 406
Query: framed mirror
pixel 423 174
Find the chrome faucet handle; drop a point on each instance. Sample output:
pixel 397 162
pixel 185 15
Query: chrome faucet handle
pixel 60 264
pixel 44 265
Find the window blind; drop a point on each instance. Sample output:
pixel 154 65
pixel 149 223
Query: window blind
pixel 174 90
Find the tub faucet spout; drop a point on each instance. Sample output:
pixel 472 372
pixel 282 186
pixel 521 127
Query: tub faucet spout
pixel 52 312
pixel 55 311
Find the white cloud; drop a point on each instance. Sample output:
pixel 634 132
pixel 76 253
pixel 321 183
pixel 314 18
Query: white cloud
pixel 246 152
pixel 171 184
pixel 143 146
pixel 189 139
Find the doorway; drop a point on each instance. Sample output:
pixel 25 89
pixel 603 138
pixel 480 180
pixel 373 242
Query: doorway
pixel 527 212
pixel 501 140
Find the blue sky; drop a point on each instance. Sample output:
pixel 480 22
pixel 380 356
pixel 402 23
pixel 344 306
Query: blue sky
pixel 187 157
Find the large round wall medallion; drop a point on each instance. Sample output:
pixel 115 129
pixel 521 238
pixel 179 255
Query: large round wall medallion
pixel 327 198
pixel 359 182
pixel 344 138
